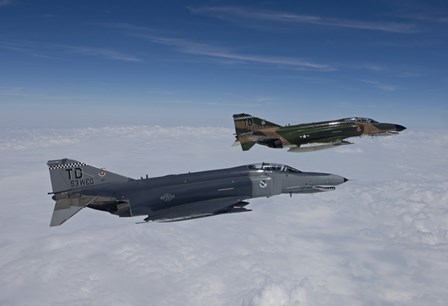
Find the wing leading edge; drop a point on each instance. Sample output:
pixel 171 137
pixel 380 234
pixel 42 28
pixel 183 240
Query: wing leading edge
pixel 199 209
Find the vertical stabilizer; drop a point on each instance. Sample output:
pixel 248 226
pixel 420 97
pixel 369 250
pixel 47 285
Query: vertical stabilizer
pixel 246 126
pixel 69 174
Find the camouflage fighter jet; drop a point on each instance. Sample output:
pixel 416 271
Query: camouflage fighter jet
pixel 306 137
pixel 175 197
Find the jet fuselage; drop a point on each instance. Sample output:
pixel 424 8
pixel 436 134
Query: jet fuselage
pixel 192 195
pixel 305 137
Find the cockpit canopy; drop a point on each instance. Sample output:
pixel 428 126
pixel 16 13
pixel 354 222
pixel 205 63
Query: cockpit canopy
pixel 273 167
pixel 360 119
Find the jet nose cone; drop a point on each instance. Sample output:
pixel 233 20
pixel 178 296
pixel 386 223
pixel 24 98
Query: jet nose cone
pixel 399 128
pixel 336 180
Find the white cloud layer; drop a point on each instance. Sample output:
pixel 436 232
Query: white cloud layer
pixel 379 239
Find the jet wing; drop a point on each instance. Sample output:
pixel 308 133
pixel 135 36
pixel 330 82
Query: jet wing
pixel 199 209
pixel 326 134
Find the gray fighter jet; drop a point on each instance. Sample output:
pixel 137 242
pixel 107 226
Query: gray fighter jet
pixel 175 197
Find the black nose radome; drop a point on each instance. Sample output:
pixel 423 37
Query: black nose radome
pixel 345 179
pixel 399 128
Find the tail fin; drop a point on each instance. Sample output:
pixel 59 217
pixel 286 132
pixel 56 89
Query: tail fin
pixel 67 178
pixel 67 174
pixel 246 125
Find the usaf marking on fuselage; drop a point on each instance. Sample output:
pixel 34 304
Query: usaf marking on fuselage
pixel 306 137
pixel 175 197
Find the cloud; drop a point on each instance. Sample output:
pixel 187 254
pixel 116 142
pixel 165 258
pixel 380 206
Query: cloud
pixel 52 50
pixel 347 150
pixel 381 86
pixel 380 239
pixel 189 47
pixel 278 294
pixel 103 53
pixel 368 66
pixel 409 74
pixel 222 53
pixel 243 13
pixel 438 18
pixel 46 138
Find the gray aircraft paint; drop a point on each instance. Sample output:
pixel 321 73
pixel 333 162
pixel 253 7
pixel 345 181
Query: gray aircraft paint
pixel 172 197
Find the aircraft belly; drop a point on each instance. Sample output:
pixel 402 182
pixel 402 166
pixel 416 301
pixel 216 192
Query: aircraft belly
pixel 194 209
pixel 191 198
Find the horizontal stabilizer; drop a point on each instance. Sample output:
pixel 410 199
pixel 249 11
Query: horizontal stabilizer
pixel 246 140
pixel 247 145
pixel 67 207
pixel 62 212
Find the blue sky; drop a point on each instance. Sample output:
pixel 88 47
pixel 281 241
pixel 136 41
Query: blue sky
pixel 96 63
